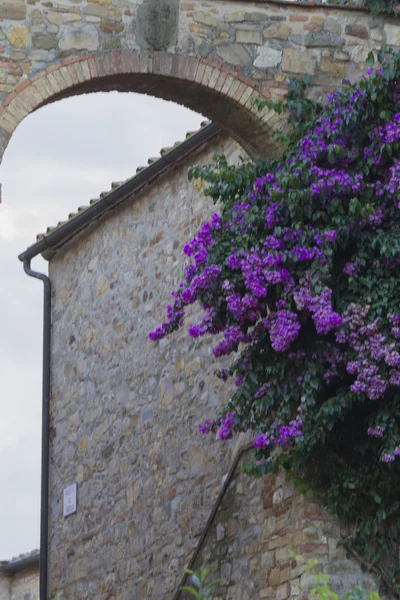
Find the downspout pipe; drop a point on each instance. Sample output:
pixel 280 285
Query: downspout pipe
pixel 44 492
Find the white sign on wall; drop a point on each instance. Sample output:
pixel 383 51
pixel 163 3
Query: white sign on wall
pixel 70 500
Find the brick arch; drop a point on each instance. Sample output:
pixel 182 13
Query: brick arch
pixel 221 94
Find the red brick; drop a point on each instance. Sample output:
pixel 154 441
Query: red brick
pixel 21 86
pixel 10 98
pixel 92 67
pixel 192 68
pixel 165 64
pixel 52 68
pixel 156 62
pixel 313 548
pixel 71 60
pixel 130 62
pixel 117 61
pixel 200 72
pixel 239 92
pixel 73 74
pixel 297 18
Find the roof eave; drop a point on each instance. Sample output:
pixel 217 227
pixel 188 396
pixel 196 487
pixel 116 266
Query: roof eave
pixel 65 232
pixel 14 566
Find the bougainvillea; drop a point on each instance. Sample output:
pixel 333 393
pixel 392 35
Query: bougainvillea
pixel 298 277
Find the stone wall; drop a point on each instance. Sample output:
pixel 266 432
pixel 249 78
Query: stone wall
pixel 227 54
pixel 261 526
pixel 5 587
pixel 21 585
pixel 124 411
pixel 124 415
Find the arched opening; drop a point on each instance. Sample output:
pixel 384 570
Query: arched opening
pixel 49 170
pixel 224 96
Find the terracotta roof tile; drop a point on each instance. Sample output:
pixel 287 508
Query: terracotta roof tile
pixel 116 184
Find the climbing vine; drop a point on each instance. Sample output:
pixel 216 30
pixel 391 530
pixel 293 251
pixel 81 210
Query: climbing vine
pixel 298 278
pixel 374 6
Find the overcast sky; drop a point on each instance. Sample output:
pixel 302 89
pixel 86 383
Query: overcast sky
pixel 58 159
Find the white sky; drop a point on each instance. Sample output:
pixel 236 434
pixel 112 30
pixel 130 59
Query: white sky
pixel 58 159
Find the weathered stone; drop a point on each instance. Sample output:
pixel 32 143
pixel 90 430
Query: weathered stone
pixel 111 27
pixel 103 2
pixel 338 55
pixel 317 20
pixel 204 17
pixel 37 16
pixel 359 54
pixel 44 41
pixel 54 17
pixel 268 57
pixel 279 31
pixel 243 36
pixel 71 18
pixel 41 55
pixel 298 61
pixel 333 25
pixel 376 35
pixel 18 35
pixel 256 17
pixel 105 12
pixel 332 68
pixel 392 34
pixel 12 9
pixel 356 30
pixel 315 39
pixel 235 17
pixel 197 459
pixel 157 24
pixel 234 54
pixel 85 37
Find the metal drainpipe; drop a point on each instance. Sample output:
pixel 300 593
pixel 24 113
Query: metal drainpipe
pixel 44 494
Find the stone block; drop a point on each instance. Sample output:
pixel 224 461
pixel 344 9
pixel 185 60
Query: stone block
pixel 13 10
pixel 255 17
pixel 376 35
pixel 85 37
pixel 392 34
pixel 283 592
pixel 44 41
pixel 324 39
pixel 360 54
pixel 298 61
pixel 333 25
pixel 18 35
pixel 332 68
pixel 357 30
pixel 339 55
pixel 234 54
pixel 274 578
pixel 204 17
pixel 318 20
pixel 54 17
pixel 268 57
pixel 111 26
pixel 244 36
pixel 104 12
pixel 279 31
pixel 235 17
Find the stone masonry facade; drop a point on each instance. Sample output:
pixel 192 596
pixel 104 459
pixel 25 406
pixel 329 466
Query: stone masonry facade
pixel 22 585
pixel 216 57
pixel 124 415
pixel 260 530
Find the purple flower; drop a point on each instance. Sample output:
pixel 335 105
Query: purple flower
pixel 261 441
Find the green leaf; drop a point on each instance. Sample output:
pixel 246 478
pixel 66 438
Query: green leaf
pixel 191 590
